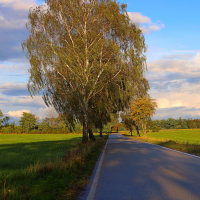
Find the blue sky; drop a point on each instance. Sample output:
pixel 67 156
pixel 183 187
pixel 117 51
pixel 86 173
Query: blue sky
pixel 171 29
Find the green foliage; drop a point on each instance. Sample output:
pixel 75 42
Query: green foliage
pixel 79 50
pixel 155 128
pixel 127 120
pixel 40 167
pixel 194 125
pixel 106 129
pixel 44 125
pixel 1 115
pixel 12 124
pixel 121 128
pixel 179 127
pixel 28 121
pixel 113 122
pixel 5 120
pixel 171 123
pixel 184 126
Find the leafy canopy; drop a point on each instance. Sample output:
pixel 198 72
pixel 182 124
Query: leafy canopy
pixel 28 121
pixel 142 109
pixel 77 48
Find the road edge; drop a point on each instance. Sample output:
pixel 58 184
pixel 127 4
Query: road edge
pixel 166 148
pixel 92 191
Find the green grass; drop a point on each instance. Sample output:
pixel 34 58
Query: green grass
pixel 182 140
pixel 36 166
pixel 181 135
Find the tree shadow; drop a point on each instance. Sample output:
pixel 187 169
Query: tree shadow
pixel 15 158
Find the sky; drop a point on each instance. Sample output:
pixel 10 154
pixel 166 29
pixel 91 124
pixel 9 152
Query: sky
pixel 171 29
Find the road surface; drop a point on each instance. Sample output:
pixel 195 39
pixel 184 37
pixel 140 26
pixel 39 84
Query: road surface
pixel 136 170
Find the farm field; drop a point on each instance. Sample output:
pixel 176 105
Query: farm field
pixel 185 140
pixel 18 151
pixel 37 165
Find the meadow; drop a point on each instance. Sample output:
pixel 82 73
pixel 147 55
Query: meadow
pixel 185 140
pixel 41 166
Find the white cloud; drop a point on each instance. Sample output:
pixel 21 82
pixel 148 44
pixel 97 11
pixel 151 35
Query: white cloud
pixel 13 67
pixel 139 18
pixel 12 24
pixel 41 113
pixel 165 103
pixel 18 113
pixel 18 4
pixel 145 23
pixel 27 101
pixel 176 85
pixel 165 69
pixel 46 112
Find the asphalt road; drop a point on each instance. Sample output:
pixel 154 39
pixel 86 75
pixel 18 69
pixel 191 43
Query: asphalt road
pixel 140 171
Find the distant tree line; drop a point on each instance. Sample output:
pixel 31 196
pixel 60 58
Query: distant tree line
pixel 29 123
pixel 51 124
pixel 171 123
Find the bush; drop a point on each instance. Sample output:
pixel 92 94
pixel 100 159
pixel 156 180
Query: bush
pixel 121 128
pixel 194 125
pixel 184 126
pixel 179 127
pixel 6 130
pixel 155 128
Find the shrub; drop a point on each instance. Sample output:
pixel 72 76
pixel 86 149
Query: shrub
pixel 155 128
pixel 179 127
pixel 184 126
pixel 194 125
pixel 121 128
pixel 6 130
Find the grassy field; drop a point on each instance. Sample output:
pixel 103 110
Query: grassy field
pixel 180 135
pixel 37 166
pixel 186 140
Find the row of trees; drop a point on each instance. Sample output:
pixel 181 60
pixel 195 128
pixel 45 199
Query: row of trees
pixel 52 123
pixel 171 123
pixel 156 125
pixel 137 118
pixel 87 57
pixel 29 123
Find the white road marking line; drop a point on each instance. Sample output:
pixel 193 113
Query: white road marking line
pixel 91 194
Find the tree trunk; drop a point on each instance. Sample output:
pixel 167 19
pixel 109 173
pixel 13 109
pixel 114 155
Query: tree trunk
pixel 85 128
pixel 101 131
pixel 131 132
pixel 138 133
pixel 91 136
pixel 144 129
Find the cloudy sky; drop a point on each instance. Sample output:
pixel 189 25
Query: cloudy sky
pixel 172 32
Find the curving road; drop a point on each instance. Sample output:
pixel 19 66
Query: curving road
pixel 136 170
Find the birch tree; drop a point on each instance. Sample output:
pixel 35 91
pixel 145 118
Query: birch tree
pixel 76 48
pixel 142 109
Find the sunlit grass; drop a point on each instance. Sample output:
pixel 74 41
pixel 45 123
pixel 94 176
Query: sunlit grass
pixel 182 135
pixel 35 166
pixel 182 140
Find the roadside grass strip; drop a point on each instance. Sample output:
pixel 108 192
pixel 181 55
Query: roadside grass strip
pixel 55 169
pixel 189 147
pixel 93 188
